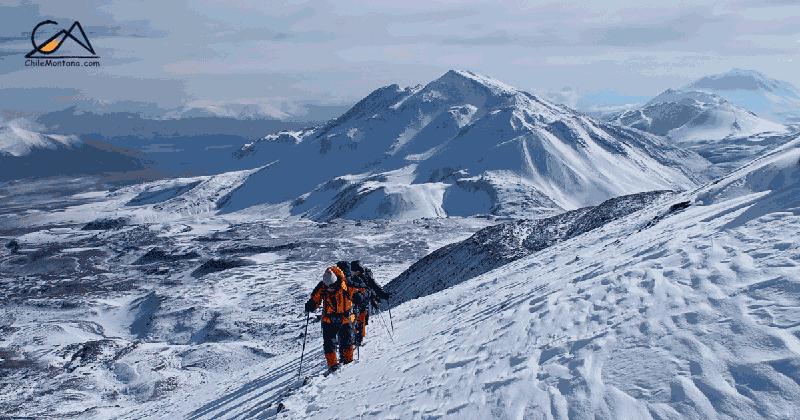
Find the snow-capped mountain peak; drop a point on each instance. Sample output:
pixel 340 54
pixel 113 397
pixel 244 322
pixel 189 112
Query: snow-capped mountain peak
pixel 465 144
pixel 740 79
pixel 461 79
pixel 462 86
pixel 692 96
pixel 695 115
pixel 769 98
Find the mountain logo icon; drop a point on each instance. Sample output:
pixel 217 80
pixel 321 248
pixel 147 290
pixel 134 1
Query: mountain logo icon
pixel 47 48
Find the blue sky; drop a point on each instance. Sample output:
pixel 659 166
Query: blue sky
pixel 285 54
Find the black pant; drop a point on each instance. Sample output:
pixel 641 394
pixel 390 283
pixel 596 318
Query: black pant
pixel 341 334
pixel 362 318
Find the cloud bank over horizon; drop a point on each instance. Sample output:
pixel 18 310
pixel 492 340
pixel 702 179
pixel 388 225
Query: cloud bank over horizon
pixel 285 56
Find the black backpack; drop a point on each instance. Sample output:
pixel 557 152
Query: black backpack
pixel 345 267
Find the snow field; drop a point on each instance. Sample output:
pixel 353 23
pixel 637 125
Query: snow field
pixel 693 317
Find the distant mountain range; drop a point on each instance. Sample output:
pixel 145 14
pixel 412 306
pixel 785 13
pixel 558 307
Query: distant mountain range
pixel 185 146
pixel 768 98
pixel 714 116
pixel 247 110
pixel 691 115
pixel 28 153
pixel 73 121
pixel 463 144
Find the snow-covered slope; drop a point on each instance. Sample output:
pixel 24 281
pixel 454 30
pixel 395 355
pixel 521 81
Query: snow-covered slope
pixel 684 309
pixel 463 144
pixel 689 313
pixel 17 140
pixel 25 152
pixel 116 302
pixel 731 153
pixel 771 183
pixel 773 99
pixel 691 116
pixel 149 202
pixel 498 245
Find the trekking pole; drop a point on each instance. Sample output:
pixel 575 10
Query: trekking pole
pixel 383 322
pixel 302 353
pixel 390 319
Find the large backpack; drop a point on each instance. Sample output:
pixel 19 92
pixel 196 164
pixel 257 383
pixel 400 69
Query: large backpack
pixel 345 267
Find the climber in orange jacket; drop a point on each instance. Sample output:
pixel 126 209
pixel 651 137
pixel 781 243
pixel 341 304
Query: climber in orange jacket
pixel 336 298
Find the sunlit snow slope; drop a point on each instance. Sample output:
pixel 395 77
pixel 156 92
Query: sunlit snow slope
pixel 690 116
pixel 721 131
pixel 692 313
pixel 498 245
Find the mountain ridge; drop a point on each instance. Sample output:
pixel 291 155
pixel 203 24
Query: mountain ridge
pixel 695 115
pixel 459 135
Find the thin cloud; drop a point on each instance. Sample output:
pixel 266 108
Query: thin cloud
pixel 287 54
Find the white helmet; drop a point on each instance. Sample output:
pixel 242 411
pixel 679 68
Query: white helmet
pixel 329 277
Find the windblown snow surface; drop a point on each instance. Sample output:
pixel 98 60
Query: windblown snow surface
pixel 498 245
pixel 682 314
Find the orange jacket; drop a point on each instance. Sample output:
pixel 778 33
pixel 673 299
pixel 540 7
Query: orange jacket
pixel 337 301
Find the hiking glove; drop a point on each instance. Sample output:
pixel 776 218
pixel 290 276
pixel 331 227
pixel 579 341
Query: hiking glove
pixel 310 306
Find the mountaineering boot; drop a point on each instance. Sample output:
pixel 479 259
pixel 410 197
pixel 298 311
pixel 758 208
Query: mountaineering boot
pixel 332 369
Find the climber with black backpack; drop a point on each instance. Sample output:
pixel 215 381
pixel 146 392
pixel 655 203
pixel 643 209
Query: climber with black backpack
pixel 367 292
